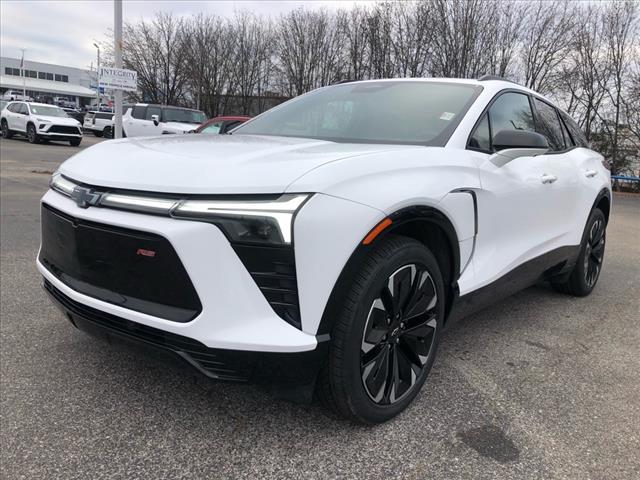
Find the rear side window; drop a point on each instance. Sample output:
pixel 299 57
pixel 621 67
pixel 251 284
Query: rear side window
pixel 104 116
pixel 139 112
pixel 213 128
pixel 548 124
pixel 14 107
pixel 576 134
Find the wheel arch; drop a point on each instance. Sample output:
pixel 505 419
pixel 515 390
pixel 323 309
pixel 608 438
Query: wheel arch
pixel 603 202
pixel 426 224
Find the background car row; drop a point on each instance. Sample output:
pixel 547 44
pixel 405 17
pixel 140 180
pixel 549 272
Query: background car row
pixel 40 122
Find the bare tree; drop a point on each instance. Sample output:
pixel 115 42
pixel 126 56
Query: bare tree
pixel 547 34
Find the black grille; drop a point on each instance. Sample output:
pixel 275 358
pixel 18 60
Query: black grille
pixel 213 363
pixel 64 129
pixel 132 269
pixel 274 271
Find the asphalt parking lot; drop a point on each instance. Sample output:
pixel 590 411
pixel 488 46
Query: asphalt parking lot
pixel 539 386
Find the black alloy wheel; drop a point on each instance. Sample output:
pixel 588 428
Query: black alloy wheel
pixel 398 335
pixel 32 135
pixel 594 252
pixel 388 312
pixel 6 133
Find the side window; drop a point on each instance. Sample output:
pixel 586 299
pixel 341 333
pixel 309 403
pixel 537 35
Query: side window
pixel 153 111
pixel 548 124
pixel 213 128
pixel 567 137
pixel 139 112
pixel 13 108
pixel 576 134
pixel 24 109
pixel 481 136
pixel 511 111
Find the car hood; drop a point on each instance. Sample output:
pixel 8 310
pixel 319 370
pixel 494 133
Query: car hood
pixel 71 122
pixel 208 164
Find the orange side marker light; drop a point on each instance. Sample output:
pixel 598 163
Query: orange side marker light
pixel 376 231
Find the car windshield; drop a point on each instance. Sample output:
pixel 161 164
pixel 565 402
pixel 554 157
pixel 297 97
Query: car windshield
pixel 183 115
pixel 48 111
pixel 395 112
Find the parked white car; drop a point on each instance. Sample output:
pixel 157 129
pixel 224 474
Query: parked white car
pixel 144 120
pixel 39 122
pixel 15 95
pixel 326 243
pixel 99 123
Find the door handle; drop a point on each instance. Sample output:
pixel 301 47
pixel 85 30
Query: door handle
pixel 590 173
pixel 548 178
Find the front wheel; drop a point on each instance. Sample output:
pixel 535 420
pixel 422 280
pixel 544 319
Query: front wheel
pixel 6 133
pixel 97 133
pixel 385 338
pixel 585 273
pixel 32 135
pixel 74 142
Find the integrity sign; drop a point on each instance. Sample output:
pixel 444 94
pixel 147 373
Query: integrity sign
pixel 118 79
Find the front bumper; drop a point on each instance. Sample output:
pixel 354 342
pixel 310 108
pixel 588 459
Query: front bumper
pixel 235 314
pixel 278 369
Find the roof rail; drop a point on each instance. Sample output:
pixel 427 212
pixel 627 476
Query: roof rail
pixel 344 81
pixel 495 77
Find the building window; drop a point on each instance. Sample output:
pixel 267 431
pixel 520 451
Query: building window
pixel 58 78
pixel 65 78
pixel 8 71
pixel 42 75
pixel 49 76
pixel 31 73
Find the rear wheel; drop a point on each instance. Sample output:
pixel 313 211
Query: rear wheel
pixel 384 341
pixel 585 273
pixel 32 134
pixel 108 133
pixel 6 133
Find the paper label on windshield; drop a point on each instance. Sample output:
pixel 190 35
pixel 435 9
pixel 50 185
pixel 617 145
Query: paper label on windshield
pixel 448 116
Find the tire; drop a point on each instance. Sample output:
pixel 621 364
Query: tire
pixel 107 132
pixel 98 133
pixel 32 134
pixel 585 273
pixel 369 339
pixel 6 133
pixel 74 142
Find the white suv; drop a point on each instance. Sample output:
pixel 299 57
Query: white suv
pixel 39 122
pixel 99 123
pixel 143 120
pixel 326 243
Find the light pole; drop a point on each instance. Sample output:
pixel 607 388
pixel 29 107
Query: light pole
pixel 98 79
pixel 24 81
pixel 117 30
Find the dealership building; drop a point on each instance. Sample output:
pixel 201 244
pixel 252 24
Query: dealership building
pixel 45 81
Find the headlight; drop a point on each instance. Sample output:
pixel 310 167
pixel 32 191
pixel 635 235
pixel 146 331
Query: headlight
pixel 247 222
pixel 44 120
pixel 61 184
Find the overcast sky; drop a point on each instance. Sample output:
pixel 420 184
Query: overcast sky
pixel 63 31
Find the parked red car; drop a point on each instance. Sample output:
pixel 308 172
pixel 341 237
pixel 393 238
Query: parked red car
pixel 221 124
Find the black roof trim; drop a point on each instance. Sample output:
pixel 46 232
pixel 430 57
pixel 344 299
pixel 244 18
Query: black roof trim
pixel 484 78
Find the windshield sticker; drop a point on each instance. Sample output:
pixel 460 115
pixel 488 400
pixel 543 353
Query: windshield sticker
pixel 448 116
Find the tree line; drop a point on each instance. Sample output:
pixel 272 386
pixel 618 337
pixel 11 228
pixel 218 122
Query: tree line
pixel 583 55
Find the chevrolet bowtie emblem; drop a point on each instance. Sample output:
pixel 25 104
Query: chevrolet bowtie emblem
pixel 84 197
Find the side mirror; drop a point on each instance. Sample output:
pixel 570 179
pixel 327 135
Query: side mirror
pixel 512 144
pixel 519 139
pixel 156 119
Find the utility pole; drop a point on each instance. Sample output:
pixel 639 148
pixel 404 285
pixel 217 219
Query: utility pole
pixel 24 80
pixel 117 29
pixel 98 79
